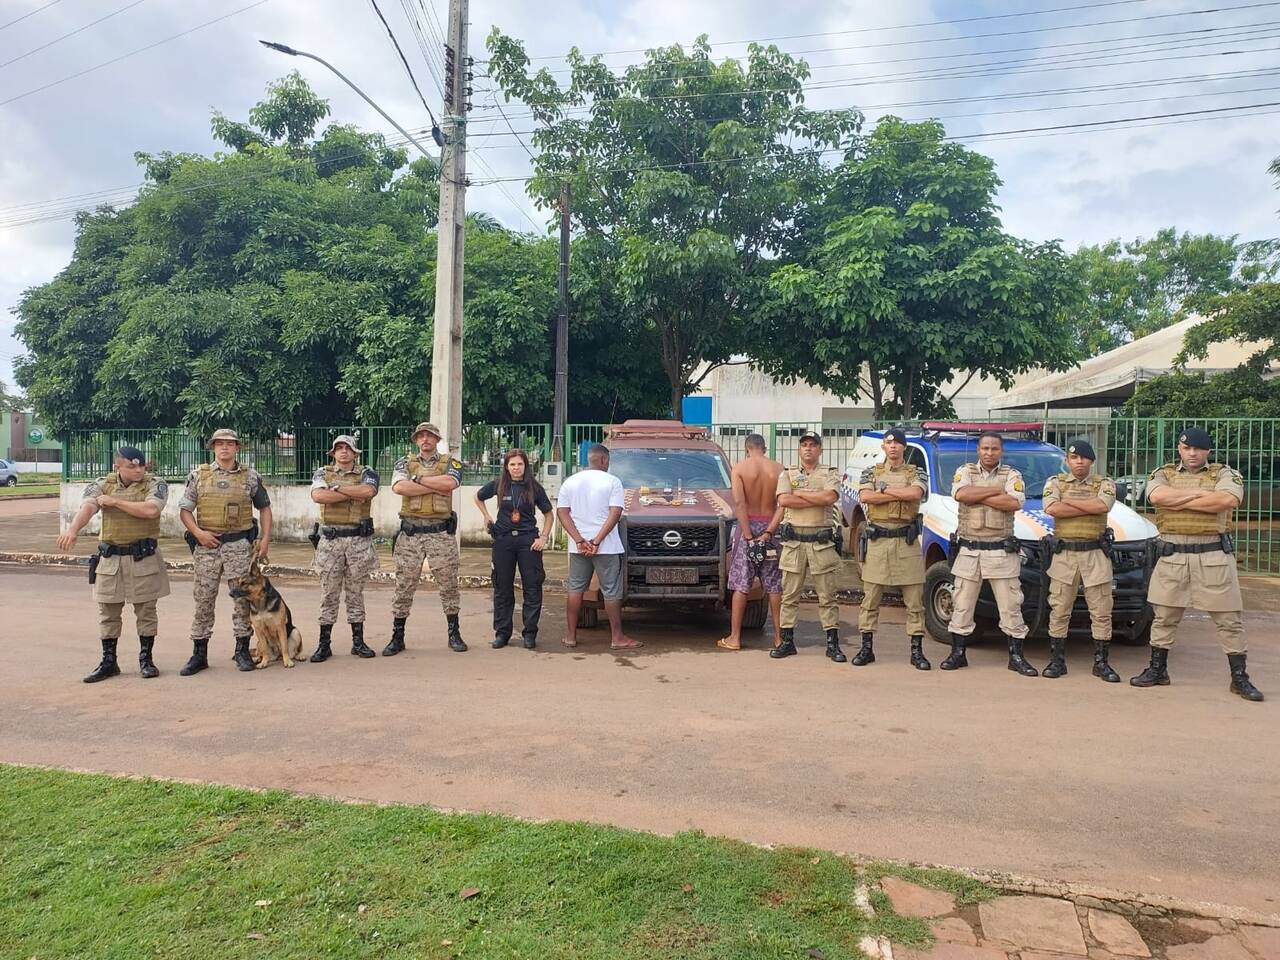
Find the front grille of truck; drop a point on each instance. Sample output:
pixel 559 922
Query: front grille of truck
pixel 696 540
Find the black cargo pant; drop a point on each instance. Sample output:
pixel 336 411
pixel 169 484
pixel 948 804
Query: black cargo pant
pixel 510 552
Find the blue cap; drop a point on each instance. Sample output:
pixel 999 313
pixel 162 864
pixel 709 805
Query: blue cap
pixel 1082 448
pixel 132 455
pixel 1195 437
pixel 896 433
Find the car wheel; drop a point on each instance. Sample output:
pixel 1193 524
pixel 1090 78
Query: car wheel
pixel 1140 633
pixel 11 481
pixel 756 614
pixel 855 529
pixel 588 618
pixel 939 601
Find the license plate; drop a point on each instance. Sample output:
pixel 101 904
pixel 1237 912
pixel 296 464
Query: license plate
pixel 671 575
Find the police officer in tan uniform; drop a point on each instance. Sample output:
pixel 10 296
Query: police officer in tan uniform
pixel 128 567
pixel 344 542
pixel 807 493
pixel 1079 502
pixel 891 493
pixel 1194 501
pixel 989 493
pixel 425 482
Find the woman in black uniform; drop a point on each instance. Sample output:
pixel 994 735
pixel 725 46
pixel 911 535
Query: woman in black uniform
pixel 517 542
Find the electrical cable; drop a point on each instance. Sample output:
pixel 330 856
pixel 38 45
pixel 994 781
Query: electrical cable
pixel 93 23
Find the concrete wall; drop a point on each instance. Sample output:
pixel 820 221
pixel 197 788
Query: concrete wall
pixel 293 513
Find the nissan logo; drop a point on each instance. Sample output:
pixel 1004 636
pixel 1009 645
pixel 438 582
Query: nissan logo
pixel 672 538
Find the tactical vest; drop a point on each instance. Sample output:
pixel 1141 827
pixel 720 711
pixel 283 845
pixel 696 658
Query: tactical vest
pixel 1080 528
pixel 808 516
pixel 121 528
pixel 347 511
pixel 1191 521
pixel 897 511
pixel 978 521
pixel 428 506
pixel 222 505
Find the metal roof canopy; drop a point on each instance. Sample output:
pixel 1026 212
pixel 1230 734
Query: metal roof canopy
pixel 1111 378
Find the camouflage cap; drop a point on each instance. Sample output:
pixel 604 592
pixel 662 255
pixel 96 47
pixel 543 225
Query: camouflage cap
pixel 346 438
pixel 425 427
pixel 225 433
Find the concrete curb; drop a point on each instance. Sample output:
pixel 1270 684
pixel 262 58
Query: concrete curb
pixel 28 496
pixel 1127 903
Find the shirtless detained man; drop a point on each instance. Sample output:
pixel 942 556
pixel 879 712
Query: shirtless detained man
pixel 754 553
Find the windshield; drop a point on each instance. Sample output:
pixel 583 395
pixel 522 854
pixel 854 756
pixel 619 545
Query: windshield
pixel 657 469
pixel 1036 466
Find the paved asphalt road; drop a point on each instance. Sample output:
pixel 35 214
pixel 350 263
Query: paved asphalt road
pixel 1171 791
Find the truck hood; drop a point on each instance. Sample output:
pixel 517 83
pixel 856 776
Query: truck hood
pixel 656 506
pixel 1032 523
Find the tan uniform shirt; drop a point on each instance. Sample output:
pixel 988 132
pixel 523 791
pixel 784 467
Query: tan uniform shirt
pixel 891 561
pixel 1092 565
pixel 122 579
pixel 1206 581
pixel 987 564
pixel 795 479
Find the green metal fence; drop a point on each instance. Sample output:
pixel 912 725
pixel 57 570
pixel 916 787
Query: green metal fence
pixel 87 454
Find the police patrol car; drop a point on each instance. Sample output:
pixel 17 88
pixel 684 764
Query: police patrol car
pixel 940 449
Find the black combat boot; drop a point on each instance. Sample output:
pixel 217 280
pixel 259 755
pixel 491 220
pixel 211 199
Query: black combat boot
pixel 1157 673
pixel 324 649
pixel 146 666
pixel 1240 682
pixel 918 659
pixel 199 658
pixel 241 656
pixel 530 641
pixel 358 647
pixel 108 666
pixel 866 653
pixel 787 648
pixel 956 658
pixel 397 638
pixel 1017 662
pixel 456 643
pixel 833 647
pixel 499 642
pixel 1057 665
pixel 1101 668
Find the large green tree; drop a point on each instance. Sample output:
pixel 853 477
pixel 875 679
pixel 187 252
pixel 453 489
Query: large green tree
pixel 903 278
pixel 688 174
pixel 290 281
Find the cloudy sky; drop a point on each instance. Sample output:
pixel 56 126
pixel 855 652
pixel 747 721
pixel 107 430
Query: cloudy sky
pixel 67 136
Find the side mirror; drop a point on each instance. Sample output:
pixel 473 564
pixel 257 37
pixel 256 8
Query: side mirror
pixel 1122 491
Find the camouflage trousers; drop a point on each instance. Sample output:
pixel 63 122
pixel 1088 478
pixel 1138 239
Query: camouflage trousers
pixel 231 559
pixel 344 565
pixel 440 550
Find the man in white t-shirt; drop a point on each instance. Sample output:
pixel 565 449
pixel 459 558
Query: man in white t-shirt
pixel 589 508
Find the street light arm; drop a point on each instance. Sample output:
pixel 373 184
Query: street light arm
pixel 283 48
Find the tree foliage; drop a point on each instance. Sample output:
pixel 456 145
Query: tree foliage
pixel 687 174
pixel 285 282
pixel 905 278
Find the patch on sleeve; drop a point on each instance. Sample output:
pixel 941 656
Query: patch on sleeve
pixel 867 475
pixel 1019 486
pixel 959 476
pixel 161 490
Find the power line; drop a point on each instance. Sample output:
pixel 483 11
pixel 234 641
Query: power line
pixel 131 53
pixel 31 14
pixel 437 74
pixel 503 188
pixel 396 43
pixel 94 23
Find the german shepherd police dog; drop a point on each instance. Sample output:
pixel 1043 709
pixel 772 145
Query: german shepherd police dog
pixel 277 637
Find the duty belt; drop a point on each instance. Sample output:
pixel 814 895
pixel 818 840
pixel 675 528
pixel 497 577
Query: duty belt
pixel 1224 544
pixel 875 532
pixel 789 533
pixel 139 550
pixel 411 529
pixel 1008 545
pixel 1075 546
pixel 362 529
pixel 250 534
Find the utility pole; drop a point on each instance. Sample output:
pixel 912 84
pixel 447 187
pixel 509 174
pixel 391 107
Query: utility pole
pixel 560 406
pixel 446 356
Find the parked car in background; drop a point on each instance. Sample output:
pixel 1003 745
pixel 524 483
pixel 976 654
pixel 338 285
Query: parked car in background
pixel 940 449
pixel 8 473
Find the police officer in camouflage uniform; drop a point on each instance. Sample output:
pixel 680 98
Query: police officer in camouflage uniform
pixel 988 494
pixel 217 510
pixel 1194 501
pixel 344 542
pixel 1079 501
pixel 425 482
pixel 891 493
pixel 807 493
pixel 128 567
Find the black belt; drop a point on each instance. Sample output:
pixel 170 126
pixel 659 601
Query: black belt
pixel 411 529
pixel 362 529
pixel 139 550
pixel 1224 544
pixel 875 532
pixel 234 535
pixel 1009 545
pixel 788 533
pixel 1076 546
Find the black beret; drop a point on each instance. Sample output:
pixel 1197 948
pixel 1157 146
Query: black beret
pixel 1082 448
pixel 813 435
pixel 896 433
pixel 133 455
pixel 1195 437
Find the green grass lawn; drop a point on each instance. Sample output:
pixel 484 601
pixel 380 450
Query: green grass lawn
pixel 25 488
pixel 95 866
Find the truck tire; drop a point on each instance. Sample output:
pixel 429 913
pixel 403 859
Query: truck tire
pixel 757 612
pixel 1139 635
pixel 851 541
pixel 937 601
pixel 588 618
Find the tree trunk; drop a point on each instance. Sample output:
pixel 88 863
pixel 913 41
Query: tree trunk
pixel 877 394
pixel 908 394
pixel 673 364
